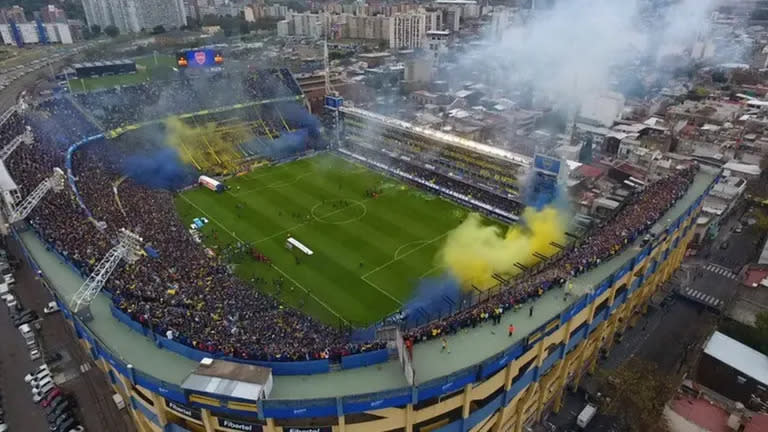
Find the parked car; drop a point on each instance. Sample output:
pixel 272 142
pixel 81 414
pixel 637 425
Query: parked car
pixel 59 410
pixel 41 369
pixel 60 420
pixel 43 393
pixel 37 379
pixel 66 426
pixel 34 354
pixel 51 308
pixel 51 404
pixel 78 428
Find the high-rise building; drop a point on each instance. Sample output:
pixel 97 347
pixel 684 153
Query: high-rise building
pixel 407 31
pixel 134 15
pixel 365 27
pixel 52 14
pixel 434 20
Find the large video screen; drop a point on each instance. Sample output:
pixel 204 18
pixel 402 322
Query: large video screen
pixel 199 58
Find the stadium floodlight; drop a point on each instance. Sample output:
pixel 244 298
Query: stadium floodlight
pixel 18 212
pixel 25 138
pixel 129 248
pixel 8 113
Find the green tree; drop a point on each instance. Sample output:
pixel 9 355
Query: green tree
pixel 112 31
pixel 95 29
pixel 158 29
pixel 636 393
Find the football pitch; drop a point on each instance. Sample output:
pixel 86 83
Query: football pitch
pixel 369 250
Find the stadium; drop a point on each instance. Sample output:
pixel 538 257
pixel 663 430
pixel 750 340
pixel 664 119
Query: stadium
pixel 234 263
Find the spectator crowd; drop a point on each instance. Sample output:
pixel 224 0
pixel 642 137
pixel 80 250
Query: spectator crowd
pixel 189 296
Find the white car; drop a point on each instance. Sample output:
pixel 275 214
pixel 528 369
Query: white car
pixel 34 355
pixel 35 381
pixel 10 301
pixel 51 308
pixel 3 427
pixel 78 428
pixel 40 370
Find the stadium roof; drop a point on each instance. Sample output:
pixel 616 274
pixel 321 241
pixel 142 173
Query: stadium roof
pixel 467 348
pixel 236 380
pixel 444 137
pixel 738 356
pixel 6 181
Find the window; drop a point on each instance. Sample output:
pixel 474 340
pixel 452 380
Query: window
pixel 741 379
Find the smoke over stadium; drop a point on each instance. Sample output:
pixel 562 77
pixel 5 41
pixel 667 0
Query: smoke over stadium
pixel 580 47
pixel 476 250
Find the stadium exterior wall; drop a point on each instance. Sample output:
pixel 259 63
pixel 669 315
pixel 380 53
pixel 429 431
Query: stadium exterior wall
pixel 503 393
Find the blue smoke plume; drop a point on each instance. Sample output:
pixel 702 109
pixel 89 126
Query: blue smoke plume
pixel 161 169
pixel 434 296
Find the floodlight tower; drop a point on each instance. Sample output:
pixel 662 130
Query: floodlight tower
pixel 9 112
pixel 129 248
pixel 17 209
pixel 25 138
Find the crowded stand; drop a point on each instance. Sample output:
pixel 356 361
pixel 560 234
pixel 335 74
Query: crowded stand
pixel 182 293
pixel 435 176
pixel 126 105
pixel 608 239
pixel 485 171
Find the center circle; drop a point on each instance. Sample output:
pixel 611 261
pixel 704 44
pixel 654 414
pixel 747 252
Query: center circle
pixel 338 212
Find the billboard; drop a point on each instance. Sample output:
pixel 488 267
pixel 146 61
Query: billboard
pixel 198 58
pixel 547 164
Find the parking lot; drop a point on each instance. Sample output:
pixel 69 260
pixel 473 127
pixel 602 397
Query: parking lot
pixel 72 370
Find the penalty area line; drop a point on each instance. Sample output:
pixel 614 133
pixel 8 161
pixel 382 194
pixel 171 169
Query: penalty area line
pixel 381 290
pixel 426 243
pixel 310 294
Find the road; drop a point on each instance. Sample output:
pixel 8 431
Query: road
pixel 672 335
pixel 21 414
pixel 75 373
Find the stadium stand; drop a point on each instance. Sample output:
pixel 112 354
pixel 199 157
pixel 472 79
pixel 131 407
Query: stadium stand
pixel 188 295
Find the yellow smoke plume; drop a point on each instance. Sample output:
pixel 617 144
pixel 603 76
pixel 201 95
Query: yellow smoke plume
pixel 475 250
pixel 210 147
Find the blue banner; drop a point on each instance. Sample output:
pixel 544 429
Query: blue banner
pixel 444 385
pixel 364 359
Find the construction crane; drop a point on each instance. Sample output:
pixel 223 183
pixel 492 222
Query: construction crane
pixel 129 247
pixel 18 212
pixel 25 138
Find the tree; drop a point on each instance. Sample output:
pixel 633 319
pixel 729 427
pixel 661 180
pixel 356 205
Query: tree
pixel 636 393
pixel 158 29
pixel 112 31
pixel 95 29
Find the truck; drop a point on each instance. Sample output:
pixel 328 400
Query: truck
pixel 585 416
pixel 212 184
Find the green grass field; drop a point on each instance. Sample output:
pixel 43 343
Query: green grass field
pixel 147 70
pixel 369 253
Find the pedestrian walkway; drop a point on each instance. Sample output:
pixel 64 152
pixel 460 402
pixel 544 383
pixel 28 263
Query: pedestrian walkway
pixel 722 271
pixel 700 297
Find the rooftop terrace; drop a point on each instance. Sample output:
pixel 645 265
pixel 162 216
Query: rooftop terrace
pixel 467 348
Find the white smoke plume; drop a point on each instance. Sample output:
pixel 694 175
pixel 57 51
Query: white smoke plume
pixel 575 48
